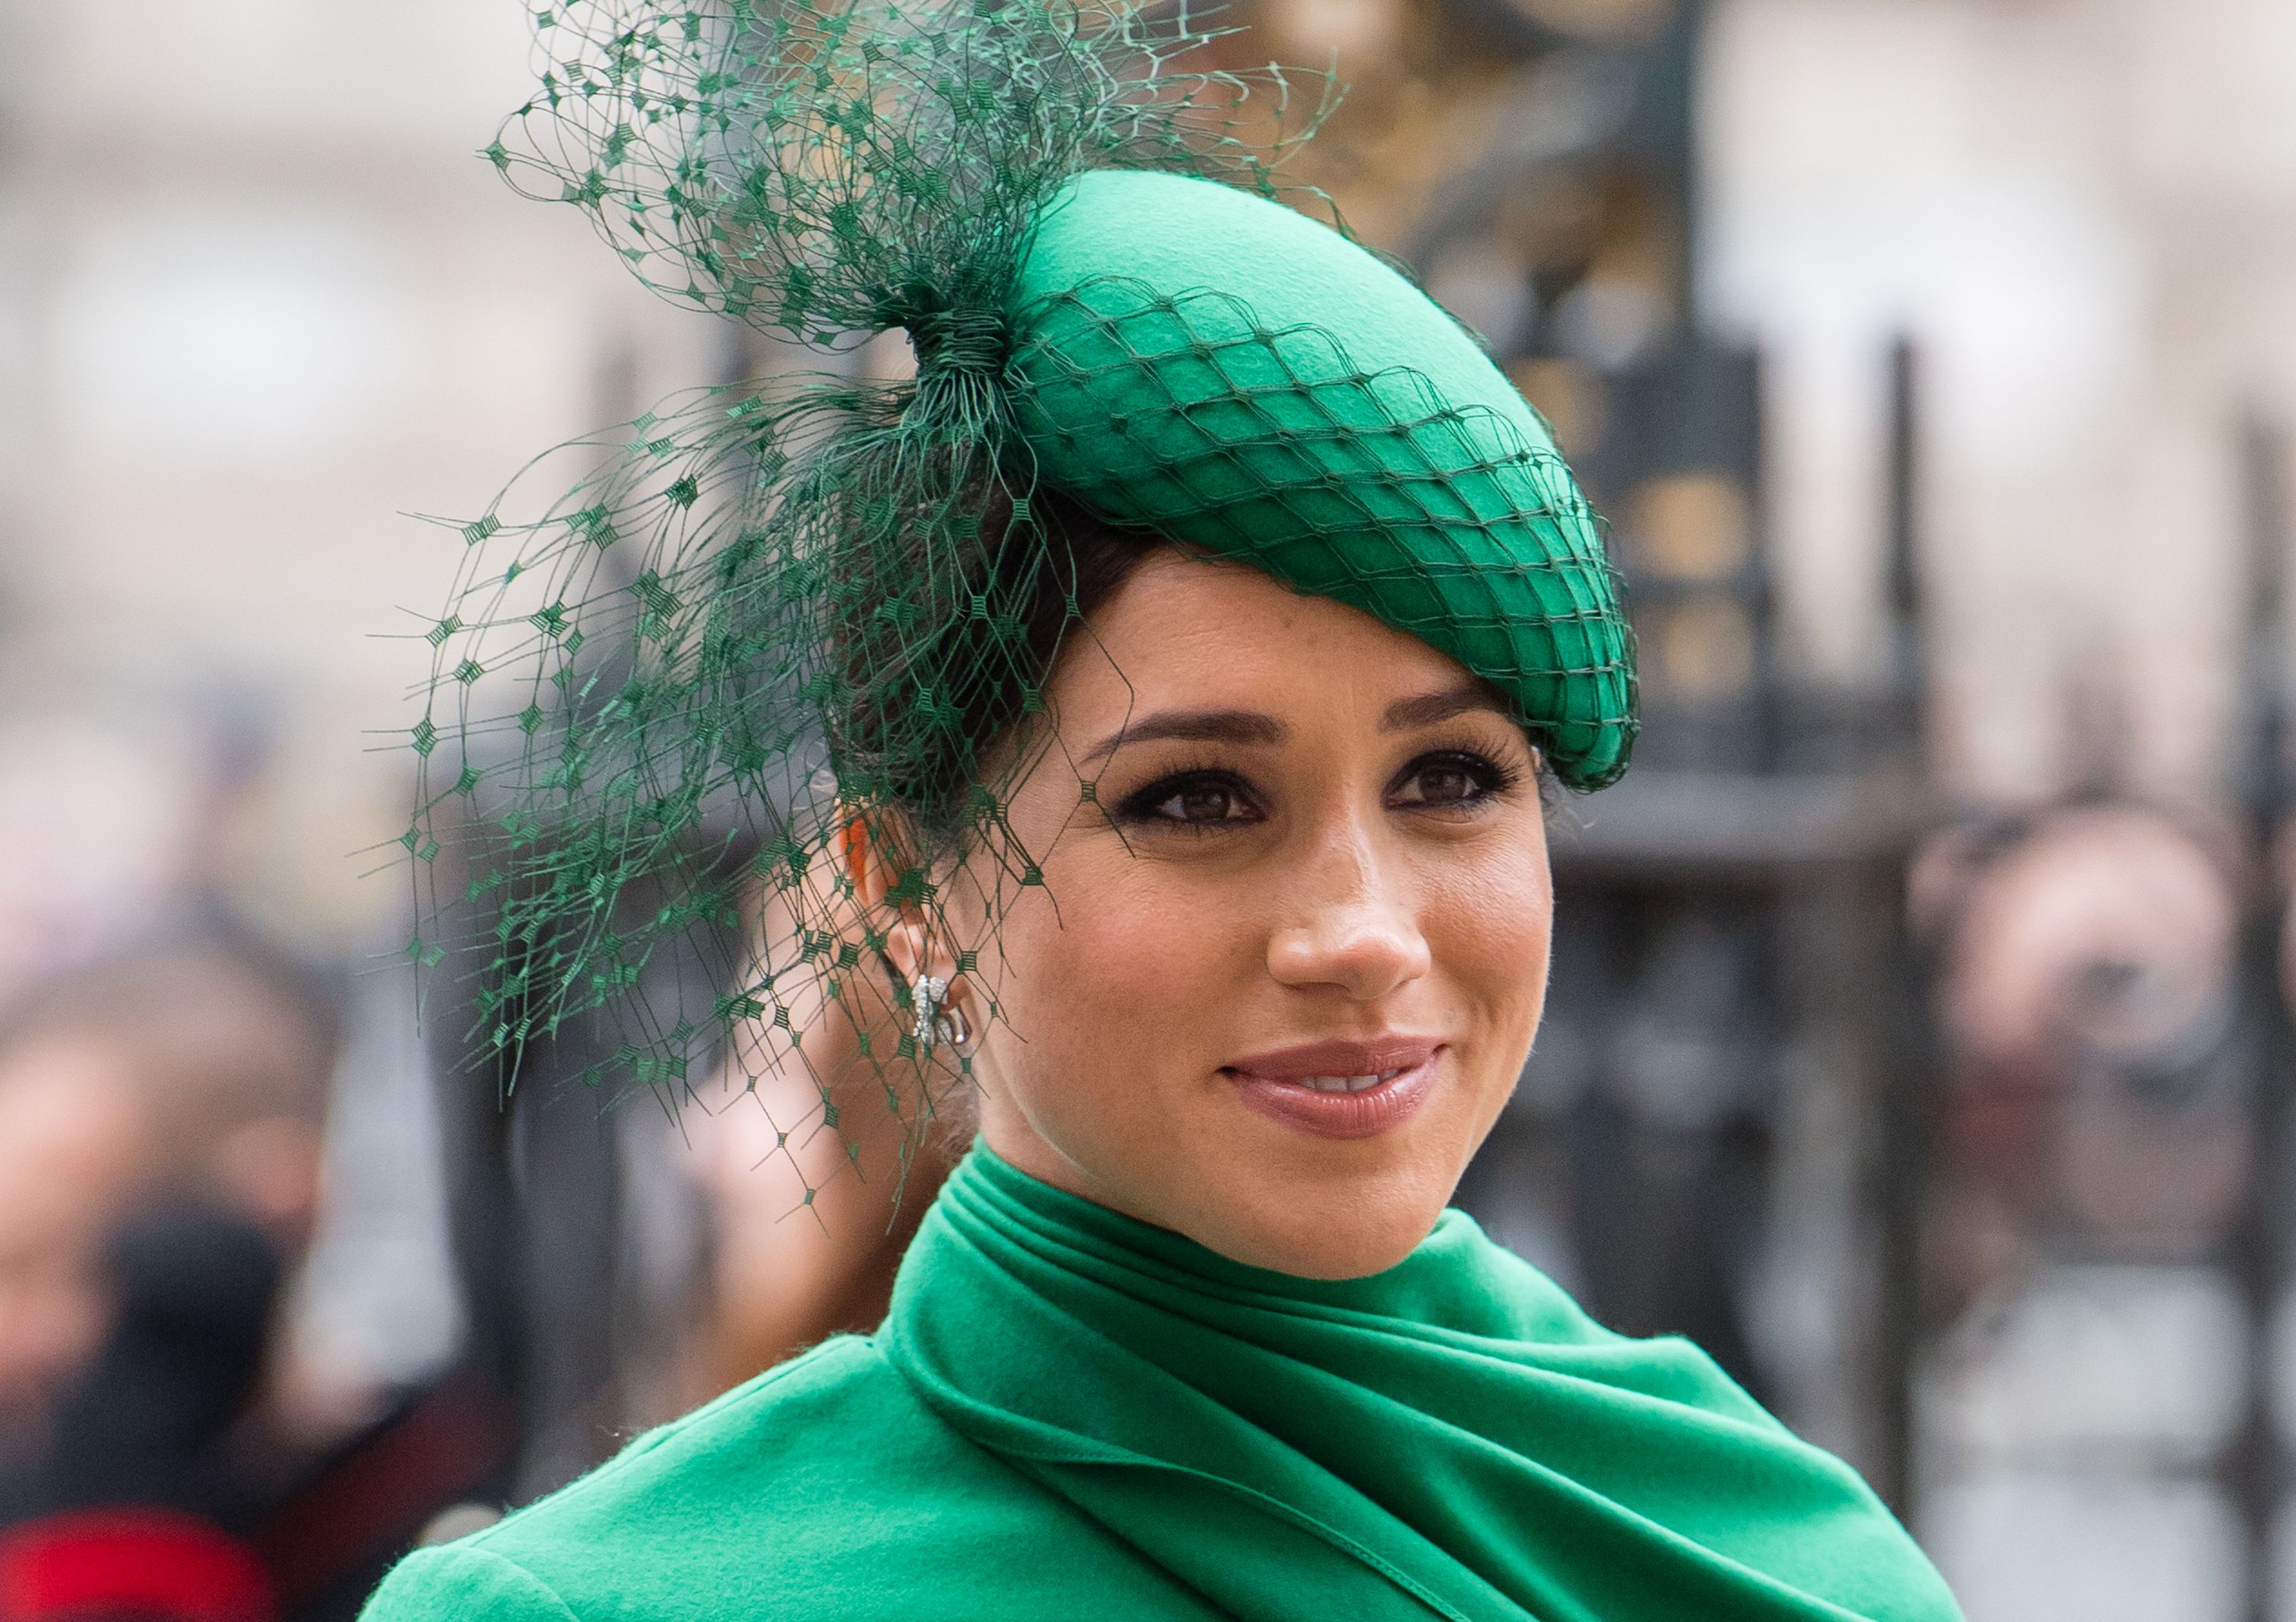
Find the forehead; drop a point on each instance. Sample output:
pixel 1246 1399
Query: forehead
pixel 1187 630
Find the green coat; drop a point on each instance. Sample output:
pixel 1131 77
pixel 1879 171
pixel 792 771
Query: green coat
pixel 1068 1413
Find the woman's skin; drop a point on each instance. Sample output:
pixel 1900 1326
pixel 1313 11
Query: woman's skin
pixel 1312 844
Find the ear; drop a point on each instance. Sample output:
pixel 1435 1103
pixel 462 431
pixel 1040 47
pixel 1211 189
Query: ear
pixel 874 848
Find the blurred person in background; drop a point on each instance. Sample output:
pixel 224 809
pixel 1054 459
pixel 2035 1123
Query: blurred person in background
pixel 162 1121
pixel 187 1078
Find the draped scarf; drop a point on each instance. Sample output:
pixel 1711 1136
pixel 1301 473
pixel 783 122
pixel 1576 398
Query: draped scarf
pixel 1451 1438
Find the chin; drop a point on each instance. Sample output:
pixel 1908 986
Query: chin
pixel 1351 1257
pixel 1328 1233
pixel 1331 1210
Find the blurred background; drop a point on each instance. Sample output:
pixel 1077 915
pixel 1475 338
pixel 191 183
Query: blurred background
pixel 1921 1036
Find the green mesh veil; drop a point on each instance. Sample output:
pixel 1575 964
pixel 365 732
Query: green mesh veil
pixel 763 613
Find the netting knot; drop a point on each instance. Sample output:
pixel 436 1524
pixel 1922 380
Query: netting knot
pixel 973 341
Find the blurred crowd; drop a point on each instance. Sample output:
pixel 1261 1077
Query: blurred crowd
pixel 275 1304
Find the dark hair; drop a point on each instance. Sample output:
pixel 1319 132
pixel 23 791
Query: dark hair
pixel 985 664
pixel 986 660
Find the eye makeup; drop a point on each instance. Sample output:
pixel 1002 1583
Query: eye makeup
pixel 1451 780
pixel 1199 799
pixel 1208 797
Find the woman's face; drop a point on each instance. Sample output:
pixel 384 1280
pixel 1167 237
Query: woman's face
pixel 1291 944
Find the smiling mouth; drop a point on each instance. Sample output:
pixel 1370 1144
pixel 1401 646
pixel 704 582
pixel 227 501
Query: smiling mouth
pixel 1349 1083
pixel 1341 1090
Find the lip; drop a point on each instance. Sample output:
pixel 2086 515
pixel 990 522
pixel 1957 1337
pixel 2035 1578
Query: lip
pixel 1367 1058
pixel 1274 1084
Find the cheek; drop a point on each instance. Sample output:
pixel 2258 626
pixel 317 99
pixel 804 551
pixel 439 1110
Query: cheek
pixel 1123 958
pixel 1488 930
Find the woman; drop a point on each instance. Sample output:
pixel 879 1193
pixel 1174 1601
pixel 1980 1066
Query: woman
pixel 1165 682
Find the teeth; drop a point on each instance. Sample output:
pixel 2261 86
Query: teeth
pixel 1347 1084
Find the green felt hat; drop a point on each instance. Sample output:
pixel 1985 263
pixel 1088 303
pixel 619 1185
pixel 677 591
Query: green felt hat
pixel 767 609
pixel 1221 368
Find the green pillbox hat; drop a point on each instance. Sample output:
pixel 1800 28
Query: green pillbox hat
pixel 1194 358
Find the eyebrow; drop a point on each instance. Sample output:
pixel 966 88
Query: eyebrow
pixel 1406 715
pixel 1192 727
pixel 1251 726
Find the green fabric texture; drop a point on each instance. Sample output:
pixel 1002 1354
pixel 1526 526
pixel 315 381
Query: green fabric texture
pixel 1451 1438
pixel 823 1491
pixel 1069 1413
pixel 1232 373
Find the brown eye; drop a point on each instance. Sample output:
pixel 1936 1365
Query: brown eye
pixel 1191 799
pixel 1201 802
pixel 1448 781
pixel 1443 785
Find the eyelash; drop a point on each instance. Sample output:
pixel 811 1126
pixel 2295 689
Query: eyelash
pixel 1492 779
pixel 1140 806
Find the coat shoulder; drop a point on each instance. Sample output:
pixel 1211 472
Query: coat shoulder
pixel 824 1490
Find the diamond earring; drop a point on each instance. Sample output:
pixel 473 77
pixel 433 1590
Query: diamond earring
pixel 928 992
pixel 939 1020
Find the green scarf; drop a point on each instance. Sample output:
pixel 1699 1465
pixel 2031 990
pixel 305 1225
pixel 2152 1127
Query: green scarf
pixel 1452 1437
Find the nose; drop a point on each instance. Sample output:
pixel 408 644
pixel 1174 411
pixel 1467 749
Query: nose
pixel 1360 939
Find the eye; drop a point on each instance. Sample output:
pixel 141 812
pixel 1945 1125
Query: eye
pixel 1194 799
pixel 1453 780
